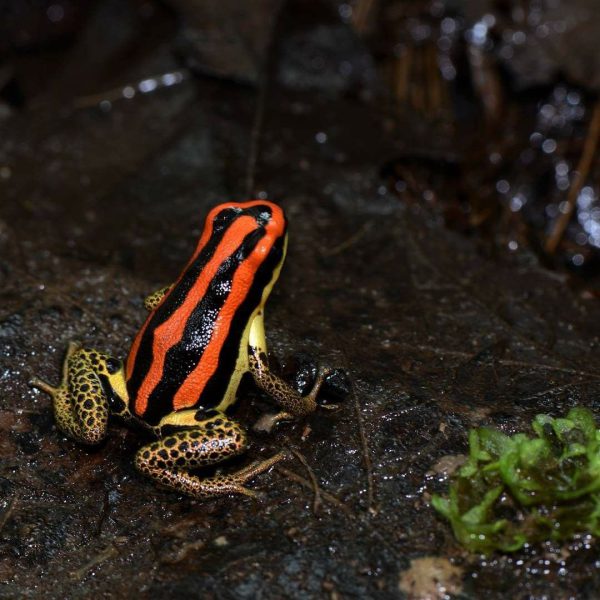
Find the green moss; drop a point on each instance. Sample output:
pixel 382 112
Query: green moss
pixel 518 489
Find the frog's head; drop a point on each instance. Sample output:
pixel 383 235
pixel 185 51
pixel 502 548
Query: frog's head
pixel 253 235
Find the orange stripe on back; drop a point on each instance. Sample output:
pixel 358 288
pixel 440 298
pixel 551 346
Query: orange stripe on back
pixel 206 233
pixel 170 332
pixel 188 393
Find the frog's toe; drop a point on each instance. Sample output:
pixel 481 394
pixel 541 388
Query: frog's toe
pixel 244 491
pixel 40 384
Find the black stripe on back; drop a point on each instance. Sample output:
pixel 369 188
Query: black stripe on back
pixel 184 357
pixel 217 385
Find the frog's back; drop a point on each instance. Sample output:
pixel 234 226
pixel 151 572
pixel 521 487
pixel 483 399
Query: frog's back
pixel 187 350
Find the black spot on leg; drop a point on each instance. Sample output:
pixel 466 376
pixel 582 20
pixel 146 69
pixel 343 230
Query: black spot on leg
pixel 170 442
pixel 163 454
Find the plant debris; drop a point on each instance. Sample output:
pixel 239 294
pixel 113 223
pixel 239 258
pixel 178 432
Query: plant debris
pixel 518 490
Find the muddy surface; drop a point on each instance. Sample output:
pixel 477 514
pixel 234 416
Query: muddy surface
pixel 114 143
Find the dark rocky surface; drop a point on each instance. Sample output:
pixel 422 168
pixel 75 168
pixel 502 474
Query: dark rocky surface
pixel 102 198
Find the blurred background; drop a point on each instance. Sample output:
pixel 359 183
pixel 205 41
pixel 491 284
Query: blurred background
pixel 488 107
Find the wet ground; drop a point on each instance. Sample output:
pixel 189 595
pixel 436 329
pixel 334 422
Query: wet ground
pixel 420 209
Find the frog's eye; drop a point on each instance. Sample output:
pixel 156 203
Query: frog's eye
pixel 112 365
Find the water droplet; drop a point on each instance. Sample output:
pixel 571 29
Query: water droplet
pixel 549 146
pixel 502 186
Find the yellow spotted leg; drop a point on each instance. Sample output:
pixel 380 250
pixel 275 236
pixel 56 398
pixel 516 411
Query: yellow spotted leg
pixel 211 440
pixel 293 404
pixel 80 404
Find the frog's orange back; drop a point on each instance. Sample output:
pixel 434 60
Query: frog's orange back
pixel 188 347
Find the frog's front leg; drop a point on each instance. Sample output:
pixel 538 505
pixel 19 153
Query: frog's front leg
pixel 199 439
pixel 155 298
pixel 81 406
pixel 292 402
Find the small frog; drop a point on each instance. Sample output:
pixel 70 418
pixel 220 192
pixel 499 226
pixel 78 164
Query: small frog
pixel 202 335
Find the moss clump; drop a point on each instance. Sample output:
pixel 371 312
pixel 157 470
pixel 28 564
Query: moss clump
pixel 518 489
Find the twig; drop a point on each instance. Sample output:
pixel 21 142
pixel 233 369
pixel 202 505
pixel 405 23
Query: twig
pixel 308 485
pixel 109 552
pixel 182 552
pixel 558 388
pixel 434 86
pixel 259 114
pixel 417 85
pixel 501 361
pixel 125 92
pixel 313 479
pixel 364 445
pixel 361 15
pixel 6 515
pixel 579 177
pixel 349 241
pixel 255 135
pixel 402 69
pixel 104 512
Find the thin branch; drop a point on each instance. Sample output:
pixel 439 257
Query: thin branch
pixel 106 554
pixel 7 514
pixel 347 243
pixel 364 445
pixel 308 485
pixel 257 125
pixel 259 113
pixel 313 479
pixel 182 553
pixel 501 361
pixel 579 178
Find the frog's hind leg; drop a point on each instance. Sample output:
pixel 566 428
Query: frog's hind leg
pixel 204 440
pixel 80 403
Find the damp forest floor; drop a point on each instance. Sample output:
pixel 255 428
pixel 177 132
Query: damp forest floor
pixel 102 201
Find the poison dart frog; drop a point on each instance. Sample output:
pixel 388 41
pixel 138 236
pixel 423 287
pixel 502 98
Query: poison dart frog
pixel 202 334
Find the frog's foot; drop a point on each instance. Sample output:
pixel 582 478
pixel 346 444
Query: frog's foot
pixel 80 403
pixel 170 460
pixel 285 395
pixel 267 422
